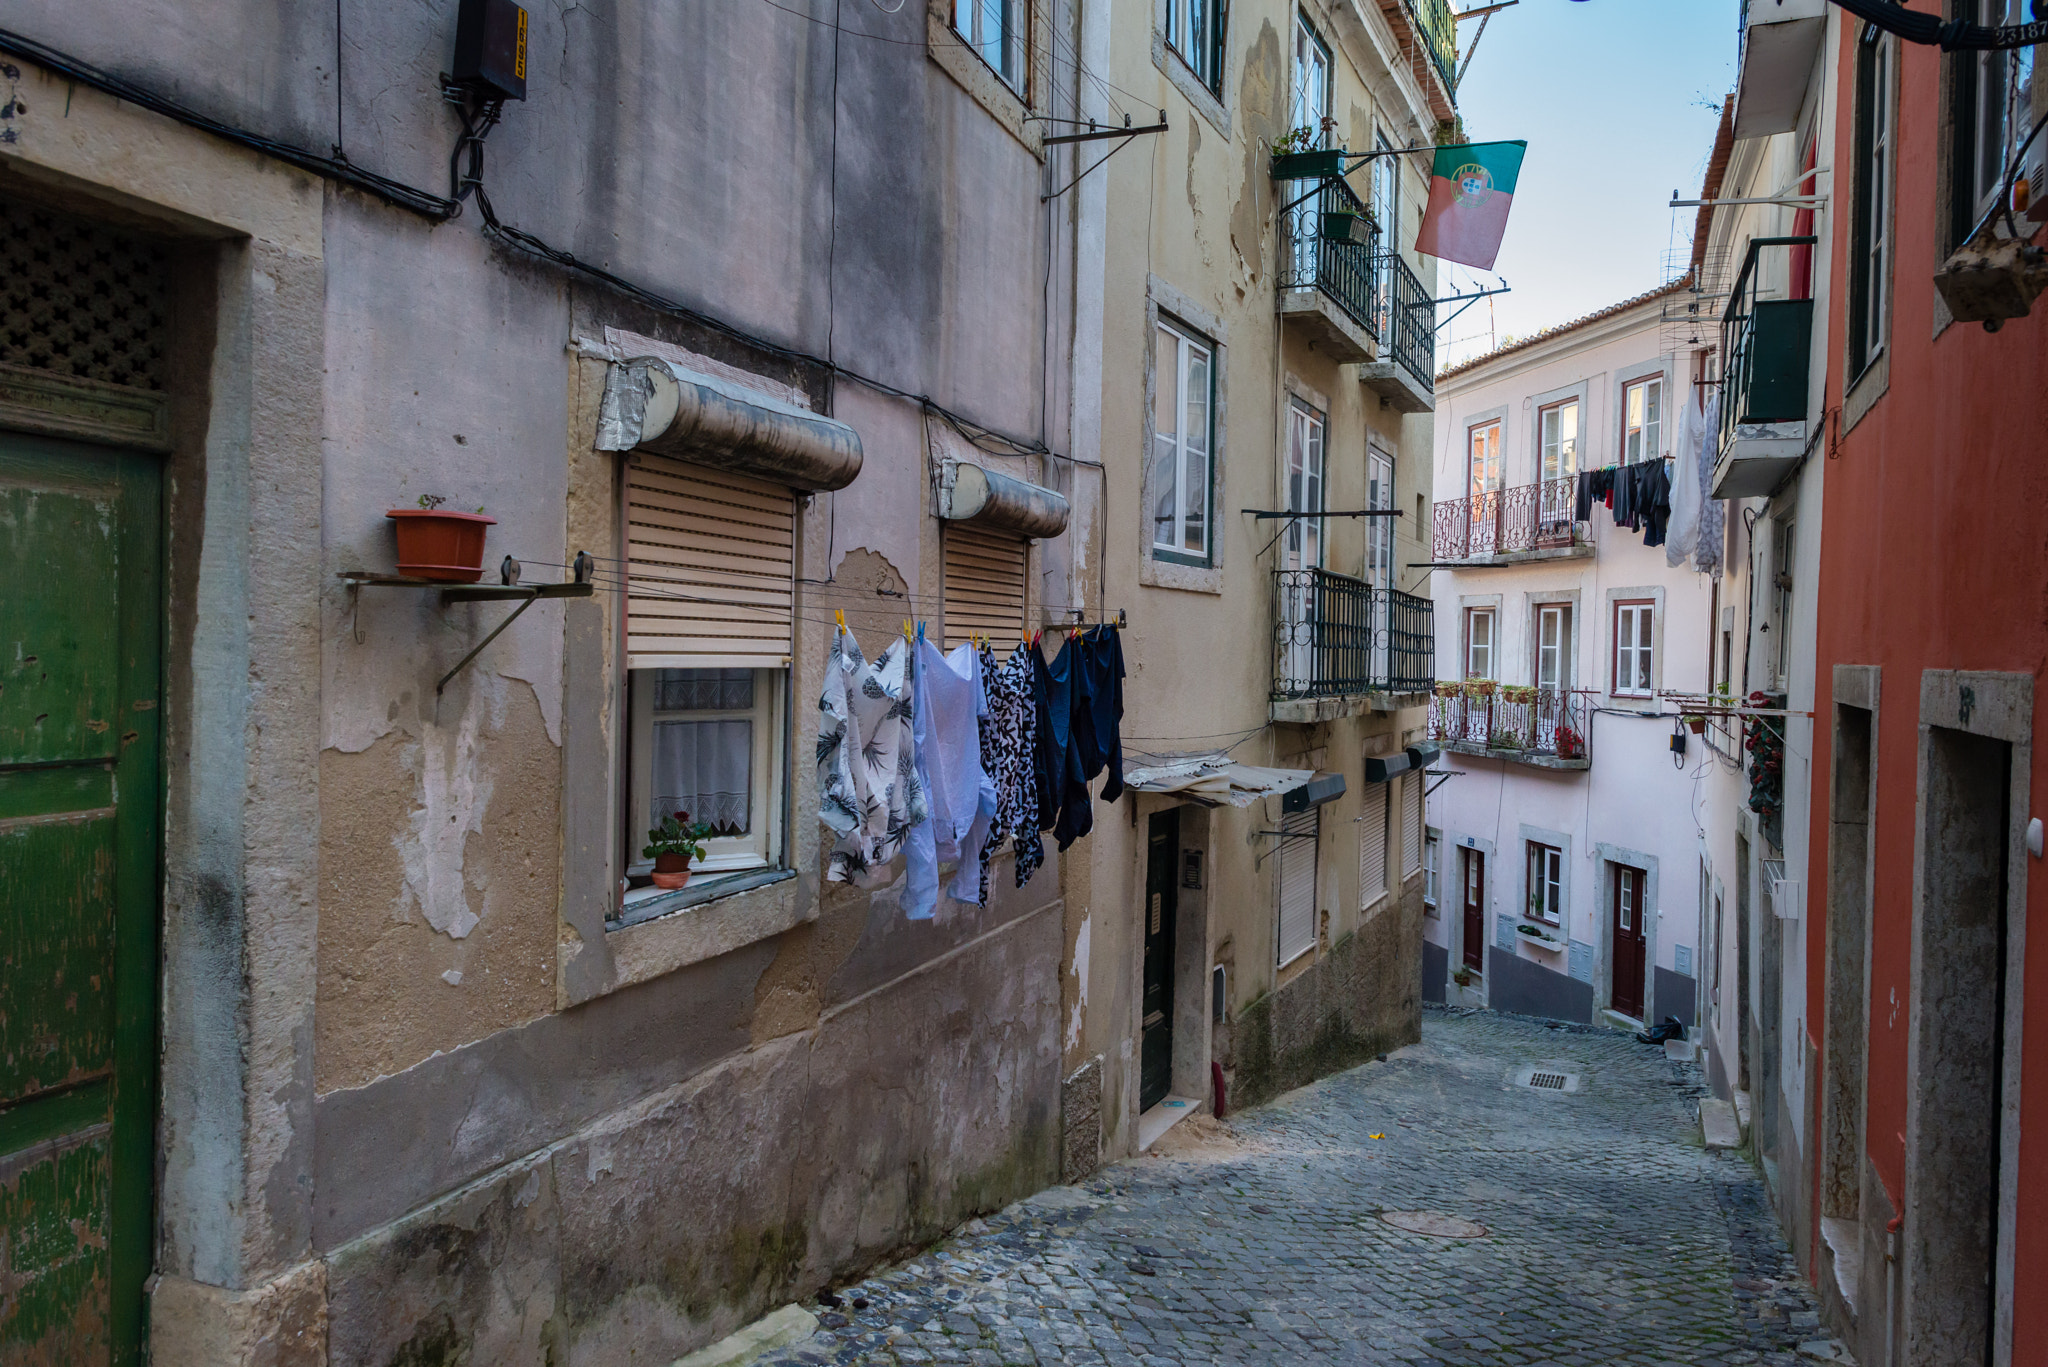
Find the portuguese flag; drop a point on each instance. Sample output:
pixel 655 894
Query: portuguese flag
pixel 1470 189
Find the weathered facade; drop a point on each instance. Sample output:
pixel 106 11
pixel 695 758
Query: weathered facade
pixel 437 1074
pixel 1231 359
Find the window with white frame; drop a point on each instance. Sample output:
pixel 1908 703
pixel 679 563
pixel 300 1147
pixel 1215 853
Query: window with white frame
pixel 1558 430
pixel 1310 106
pixel 1379 531
pixel 1634 624
pixel 995 29
pixel 1781 598
pixel 1479 643
pixel 1553 646
pixel 1194 31
pixel 1432 860
pixel 1303 539
pixel 1642 420
pixel 1546 883
pixel 1183 433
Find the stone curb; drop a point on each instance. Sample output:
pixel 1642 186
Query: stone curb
pixel 778 1329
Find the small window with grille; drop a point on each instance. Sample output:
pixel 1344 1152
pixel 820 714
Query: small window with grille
pixel 81 299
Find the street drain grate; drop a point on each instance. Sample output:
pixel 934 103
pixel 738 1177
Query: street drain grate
pixel 1545 1077
pixel 1549 1081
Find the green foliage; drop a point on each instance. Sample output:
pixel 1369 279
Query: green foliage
pixel 677 834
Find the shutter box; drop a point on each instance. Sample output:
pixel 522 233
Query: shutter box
pixel 710 567
pixel 986 584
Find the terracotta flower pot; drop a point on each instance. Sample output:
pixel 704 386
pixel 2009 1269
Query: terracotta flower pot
pixel 1697 725
pixel 439 545
pixel 671 871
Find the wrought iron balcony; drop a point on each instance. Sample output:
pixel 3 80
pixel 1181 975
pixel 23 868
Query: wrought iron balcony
pixel 1543 727
pixel 1437 25
pixel 1405 374
pixel 1768 343
pixel 1336 636
pixel 1328 282
pixel 1505 526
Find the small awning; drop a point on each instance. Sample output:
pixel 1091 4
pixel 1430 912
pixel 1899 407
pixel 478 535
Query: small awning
pixel 1386 768
pixel 1213 783
pixel 1424 755
pixel 656 405
pixel 970 493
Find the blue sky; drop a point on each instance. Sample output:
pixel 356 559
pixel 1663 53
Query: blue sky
pixel 1614 99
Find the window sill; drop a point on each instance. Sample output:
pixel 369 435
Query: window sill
pixel 694 924
pixel 1173 574
pixel 708 886
pixel 1868 387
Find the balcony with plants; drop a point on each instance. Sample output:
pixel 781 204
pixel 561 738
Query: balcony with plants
pixel 1511 526
pixel 1342 646
pixel 1544 728
pixel 1329 278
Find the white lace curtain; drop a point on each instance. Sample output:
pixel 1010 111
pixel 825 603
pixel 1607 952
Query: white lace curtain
pixel 705 768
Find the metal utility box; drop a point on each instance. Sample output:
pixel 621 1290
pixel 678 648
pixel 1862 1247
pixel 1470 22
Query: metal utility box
pixel 490 48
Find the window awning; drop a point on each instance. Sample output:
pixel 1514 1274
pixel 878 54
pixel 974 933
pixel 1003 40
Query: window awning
pixel 659 406
pixel 1386 768
pixel 1214 783
pixel 970 493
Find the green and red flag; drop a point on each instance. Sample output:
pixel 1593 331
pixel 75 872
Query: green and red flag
pixel 1470 188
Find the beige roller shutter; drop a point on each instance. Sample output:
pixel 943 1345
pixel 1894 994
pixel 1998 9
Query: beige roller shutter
pixel 710 566
pixel 1411 824
pixel 1298 883
pixel 1372 846
pixel 985 582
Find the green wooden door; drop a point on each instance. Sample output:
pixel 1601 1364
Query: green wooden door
pixel 79 783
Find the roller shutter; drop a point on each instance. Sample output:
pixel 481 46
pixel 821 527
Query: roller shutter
pixel 1298 883
pixel 1411 824
pixel 1372 846
pixel 985 583
pixel 710 567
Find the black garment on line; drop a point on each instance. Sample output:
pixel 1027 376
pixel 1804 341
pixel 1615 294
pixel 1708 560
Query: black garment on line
pixel 1654 503
pixel 1594 487
pixel 1080 730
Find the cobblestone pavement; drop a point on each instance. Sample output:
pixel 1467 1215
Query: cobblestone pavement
pixel 1612 1236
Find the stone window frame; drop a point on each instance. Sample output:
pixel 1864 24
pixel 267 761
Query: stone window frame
pixel 2000 706
pixel 1869 375
pixel 1003 102
pixel 1212 105
pixel 1164 303
pixel 1562 842
pixel 1582 392
pixel 1659 621
pixel 1575 636
pixel 1667 423
pixel 1494 602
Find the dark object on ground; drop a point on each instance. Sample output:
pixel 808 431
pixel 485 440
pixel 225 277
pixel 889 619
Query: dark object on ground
pixel 1665 1029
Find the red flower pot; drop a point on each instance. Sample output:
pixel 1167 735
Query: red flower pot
pixel 671 871
pixel 438 545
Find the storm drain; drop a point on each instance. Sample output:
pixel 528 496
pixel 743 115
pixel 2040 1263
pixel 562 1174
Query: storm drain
pixel 1544 1077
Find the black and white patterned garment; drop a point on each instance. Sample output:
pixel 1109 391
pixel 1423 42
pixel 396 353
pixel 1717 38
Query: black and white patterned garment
pixel 1009 736
pixel 868 789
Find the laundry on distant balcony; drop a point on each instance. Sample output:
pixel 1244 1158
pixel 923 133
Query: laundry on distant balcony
pixel 1639 496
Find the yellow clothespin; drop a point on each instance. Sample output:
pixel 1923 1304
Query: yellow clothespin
pixel 839 616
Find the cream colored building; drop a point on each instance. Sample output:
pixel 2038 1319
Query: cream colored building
pixel 1234 361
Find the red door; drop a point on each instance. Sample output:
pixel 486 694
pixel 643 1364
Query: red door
pixel 1475 905
pixel 1627 994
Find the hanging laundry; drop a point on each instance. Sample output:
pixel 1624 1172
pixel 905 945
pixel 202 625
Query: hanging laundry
pixel 1706 555
pixel 1063 796
pixel 1684 529
pixel 1623 496
pixel 1595 486
pixel 1009 736
pixel 869 793
pixel 1653 501
pixel 961 801
pixel 1080 730
pixel 1102 663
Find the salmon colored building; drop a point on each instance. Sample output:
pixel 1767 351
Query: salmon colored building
pixel 1929 1001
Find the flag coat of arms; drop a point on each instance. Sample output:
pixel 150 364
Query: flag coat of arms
pixel 1470 189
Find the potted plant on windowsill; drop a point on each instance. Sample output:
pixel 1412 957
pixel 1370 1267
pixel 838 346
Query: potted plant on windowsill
pixel 672 845
pixel 445 546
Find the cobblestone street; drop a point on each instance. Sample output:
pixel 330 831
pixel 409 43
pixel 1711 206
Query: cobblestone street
pixel 1610 1234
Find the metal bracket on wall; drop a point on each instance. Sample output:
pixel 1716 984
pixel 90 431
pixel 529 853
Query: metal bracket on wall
pixel 526 595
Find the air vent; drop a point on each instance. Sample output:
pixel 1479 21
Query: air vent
pixel 1553 1082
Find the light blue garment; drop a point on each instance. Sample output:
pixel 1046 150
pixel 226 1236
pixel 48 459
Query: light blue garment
pixel 950 702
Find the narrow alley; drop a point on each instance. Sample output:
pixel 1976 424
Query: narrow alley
pixel 1609 1234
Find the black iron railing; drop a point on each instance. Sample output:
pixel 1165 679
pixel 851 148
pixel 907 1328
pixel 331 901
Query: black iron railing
pixel 1528 517
pixel 1410 328
pixel 1546 722
pixel 1334 635
pixel 1330 246
pixel 1767 343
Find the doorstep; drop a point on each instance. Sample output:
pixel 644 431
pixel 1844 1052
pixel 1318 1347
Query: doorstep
pixel 1845 1241
pixel 1615 1020
pixel 1163 1117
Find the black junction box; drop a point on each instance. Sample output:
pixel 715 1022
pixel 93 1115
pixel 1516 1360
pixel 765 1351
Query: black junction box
pixel 490 48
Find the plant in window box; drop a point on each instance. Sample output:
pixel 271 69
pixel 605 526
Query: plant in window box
pixel 672 845
pixel 1296 157
pixel 1479 688
pixel 1449 688
pixel 1517 693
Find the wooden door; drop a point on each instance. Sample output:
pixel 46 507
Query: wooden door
pixel 1627 974
pixel 1155 1064
pixel 1474 870
pixel 79 784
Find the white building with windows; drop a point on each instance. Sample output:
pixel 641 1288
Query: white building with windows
pixel 1562 848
